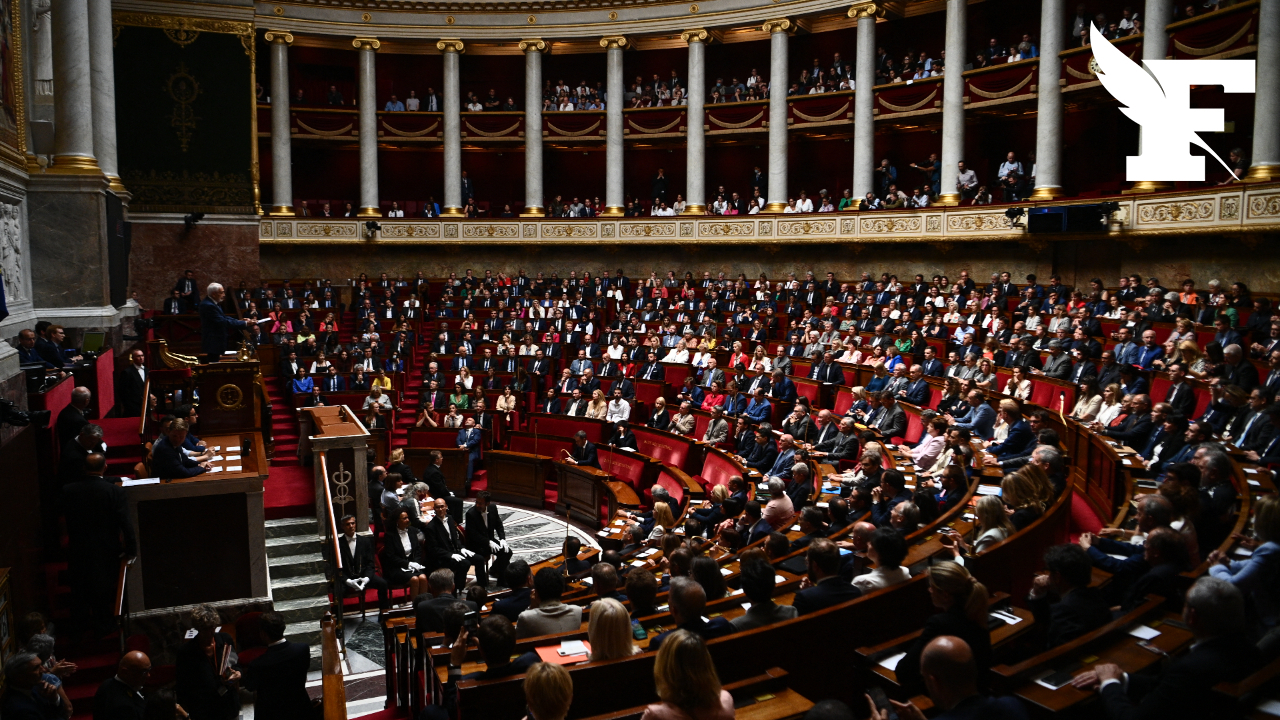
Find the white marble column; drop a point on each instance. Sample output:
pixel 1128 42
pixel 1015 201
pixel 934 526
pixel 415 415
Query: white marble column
pixel 73 92
pixel 953 101
pixel 103 76
pixel 1049 103
pixel 533 194
pixel 695 190
pixel 1156 16
pixel 367 98
pixel 281 137
pixel 614 193
pixel 1265 164
pixel 779 33
pixel 864 118
pixel 452 207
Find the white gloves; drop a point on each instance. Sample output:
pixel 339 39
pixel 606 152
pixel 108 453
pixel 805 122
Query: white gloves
pixel 358 584
pixel 493 545
pixel 414 567
pixel 457 557
pixel 467 553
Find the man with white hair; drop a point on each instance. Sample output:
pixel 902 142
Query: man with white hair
pixel 214 324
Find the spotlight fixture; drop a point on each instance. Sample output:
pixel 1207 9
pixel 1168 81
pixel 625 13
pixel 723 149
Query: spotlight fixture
pixel 191 219
pixel 1014 213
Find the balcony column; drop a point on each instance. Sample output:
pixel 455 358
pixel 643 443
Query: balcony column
pixel 864 131
pixel 1156 16
pixel 696 141
pixel 452 49
pixel 1049 103
pixel 368 99
pixel 953 101
pixel 1265 165
pixel 102 71
pixel 779 32
pixel 533 50
pixel 73 91
pixel 613 187
pixel 281 141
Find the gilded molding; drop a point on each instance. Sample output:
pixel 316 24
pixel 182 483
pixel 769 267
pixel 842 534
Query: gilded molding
pixel 866 10
pixel 692 36
pixel 278 36
pixel 451 45
pixel 17 155
pixel 1177 212
pixel 361 43
pixel 533 45
pixel 174 22
pixel 779 25
pixel 613 41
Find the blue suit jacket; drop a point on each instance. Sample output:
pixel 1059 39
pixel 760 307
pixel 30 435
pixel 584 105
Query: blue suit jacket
pixel 784 391
pixel 1019 441
pixel 980 420
pixel 470 438
pixel 168 462
pixel 918 392
pixel 31 357
pixel 758 411
pixel 214 325
pixel 782 466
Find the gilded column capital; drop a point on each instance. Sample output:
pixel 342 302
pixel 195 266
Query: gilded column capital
pixel 692 36
pixel 866 9
pixel 533 45
pixel 362 43
pixel 780 25
pixel 613 41
pixel 278 36
pixel 451 45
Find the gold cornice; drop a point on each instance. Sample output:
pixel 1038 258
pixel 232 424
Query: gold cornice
pixel 866 10
pixel 174 22
pixel 780 25
pixel 278 36
pixel 361 43
pixel 534 45
pixel 692 36
pixel 451 45
pixel 613 41
pixel 19 158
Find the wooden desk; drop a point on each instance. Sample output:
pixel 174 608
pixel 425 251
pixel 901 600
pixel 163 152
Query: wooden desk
pixel 584 492
pixel 202 539
pixel 517 477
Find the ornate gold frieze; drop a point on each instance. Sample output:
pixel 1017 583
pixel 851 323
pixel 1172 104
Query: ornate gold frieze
pixel 410 231
pixel 184 24
pixel 647 229
pixel 573 230
pixel 334 230
pixel 508 230
pixel 726 229
pixel 978 223
pixel 189 192
pixel 806 227
pixel 891 225
pixel 1266 206
pixel 1190 211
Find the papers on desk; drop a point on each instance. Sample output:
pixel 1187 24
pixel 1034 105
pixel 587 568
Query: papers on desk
pixel 234 468
pixel 821 504
pixel 1142 632
pixel 891 662
pixel 795 528
pixel 746 606
pixel 1008 617
pixel 1253 483
pixel 726 572
pixel 140 481
pixel 647 553
pixel 779 579
pixel 619 523
pixel 216 458
pixel 1121 558
pixel 587 581
pixel 216 469
pixel 603 533
pixel 739 591
pixel 572 647
pixel 1240 551
pixel 232 457
pixel 989 490
pixel 216 448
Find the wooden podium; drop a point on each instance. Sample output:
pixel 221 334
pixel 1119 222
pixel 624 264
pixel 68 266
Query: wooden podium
pixel 228 396
pixel 344 440
pixel 583 491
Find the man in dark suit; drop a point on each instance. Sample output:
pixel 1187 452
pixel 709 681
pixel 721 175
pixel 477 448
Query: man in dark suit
pixel 916 390
pixel 72 418
pixel 487 539
pixel 931 365
pixel 688 601
pixel 1181 396
pixel 823 587
pixel 1080 609
pixel 444 543
pixel 167 459
pixel 584 451
pixel 187 291
pixel 29 353
pixel 651 370
pixel 827 372
pixel 520 580
pixel 1221 652
pixel 429 611
pixel 892 420
pixel 99 534
pixel 75 453
pixel 1137 428
pixel 130 384
pixel 174 304
pixel 950 675
pixel 279 674
pixel 1021 438
pixel 120 697
pixel 214 324
pixel 469 439
pixel 468 190
pixel 359 570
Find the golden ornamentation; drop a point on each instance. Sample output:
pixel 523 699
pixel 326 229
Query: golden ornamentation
pixel 686 229
pixel 647 230
pixel 1229 209
pixel 655 131
pixel 508 230
pixel 1188 211
pixel 533 19
pixel 448 20
pixel 401 133
pixel 891 225
pixel 172 359
pixel 451 45
pixel 780 25
pixel 613 14
pixel 407 231
pixel 693 9
pixel 1003 93
pixel 1264 206
pixel 573 230
pixel 734 126
pixel 807 227
pixel 13 144
pixel 173 22
pixel 606 231
pixel 325 133
pixel 726 229
pixel 533 45
pixel 181 36
pixel 335 230
pixel 847 226
pixel 342 488
pixel 576 133
pixel 972 223
pixel 698 35
pixel 366 17
pixel 613 41
pixel 264 228
pixel 531 230
pixel 284 229
pixel 1214 50
pixel 820 118
pixel 908 108
pixel 933 223
pixel 278 36
pixel 482 133
pixel 451 230
pixel 189 192
pixel 279 11
pixel 361 43
pixel 866 10
pixel 230 397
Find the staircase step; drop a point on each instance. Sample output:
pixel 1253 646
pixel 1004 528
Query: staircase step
pixel 295 565
pixel 299 587
pixel 307 631
pixel 291 545
pixel 303 609
pixel 286 527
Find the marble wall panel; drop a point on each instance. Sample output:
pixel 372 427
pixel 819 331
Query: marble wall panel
pixel 224 252
pixel 68 249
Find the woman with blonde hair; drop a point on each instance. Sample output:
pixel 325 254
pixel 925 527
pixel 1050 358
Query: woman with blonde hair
pixel 993 526
pixel 986 377
pixel 678 354
pixel 1258 576
pixel 548 691
pixel 1112 405
pixel 598 408
pixel 1021 499
pixel 376 397
pixel 760 361
pixel 1192 357
pixel 1039 479
pixel 962 604
pixel 609 631
pixel 464 378
pixel 663 520
pixel 686 680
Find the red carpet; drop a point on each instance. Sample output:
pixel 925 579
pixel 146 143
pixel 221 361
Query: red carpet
pixel 289 492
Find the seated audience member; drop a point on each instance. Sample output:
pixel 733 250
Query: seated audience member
pixel 1221 652
pixel 1258 576
pixel 120 697
pixel 550 616
pixel 685 678
pixel 359 569
pixel 642 592
pixel 609 631
pixel 573 566
pixel 779 511
pixel 706 572
pixel 758 582
pixel 497 643
pixel 822 586
pixel 1164 556
pixel 604 580
pixel 887 549
pixel 431 606
pixel 688 600
pixel 950 673
pixel 548 691
pixel 1079 609
pixel 962 604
